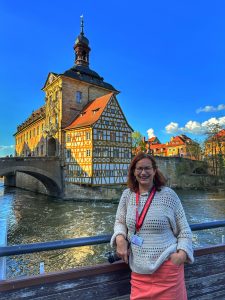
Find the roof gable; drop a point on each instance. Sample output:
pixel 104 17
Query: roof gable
pixel 51 77
pixel 153 140
pixel 113 112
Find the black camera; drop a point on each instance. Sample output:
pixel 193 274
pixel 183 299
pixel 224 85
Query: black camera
pixel 112 257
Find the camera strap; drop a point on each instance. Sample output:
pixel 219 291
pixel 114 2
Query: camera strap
pixel 140 219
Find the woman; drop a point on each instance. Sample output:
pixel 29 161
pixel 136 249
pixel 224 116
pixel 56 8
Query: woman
pixel 151 220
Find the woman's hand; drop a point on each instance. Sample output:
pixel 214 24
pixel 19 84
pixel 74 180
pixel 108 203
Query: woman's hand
pixel 122 248
pixel 179 257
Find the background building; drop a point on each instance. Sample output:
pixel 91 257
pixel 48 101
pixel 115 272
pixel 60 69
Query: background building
pixel 178 146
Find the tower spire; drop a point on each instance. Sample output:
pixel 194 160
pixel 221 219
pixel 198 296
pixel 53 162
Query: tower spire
pixel 82 24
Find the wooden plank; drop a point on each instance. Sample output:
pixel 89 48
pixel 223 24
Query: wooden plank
pixel 205 265
pixel 207 286
pixel 110 284
pixel 103 290
pixel 125 297
pixel 62 276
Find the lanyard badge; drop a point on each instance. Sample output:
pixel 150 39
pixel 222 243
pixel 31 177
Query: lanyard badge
pixel 138 240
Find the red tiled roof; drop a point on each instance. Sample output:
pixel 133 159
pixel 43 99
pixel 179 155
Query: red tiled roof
pixel 152 139
pixel 155 146
pixel 176 141
pixel 221 133
pixel 91 112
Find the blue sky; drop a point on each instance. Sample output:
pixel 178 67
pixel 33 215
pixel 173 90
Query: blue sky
pixel 166 57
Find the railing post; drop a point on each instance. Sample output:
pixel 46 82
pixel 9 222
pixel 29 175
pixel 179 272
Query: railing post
pixel 3 242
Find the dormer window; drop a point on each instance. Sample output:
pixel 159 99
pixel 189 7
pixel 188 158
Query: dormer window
pixel 78 96
pixel 95 110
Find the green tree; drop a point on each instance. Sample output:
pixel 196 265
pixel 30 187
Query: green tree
pixel 194 150
pixel 138 143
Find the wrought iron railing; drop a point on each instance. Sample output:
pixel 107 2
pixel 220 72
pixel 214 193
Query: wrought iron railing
pixel 84 241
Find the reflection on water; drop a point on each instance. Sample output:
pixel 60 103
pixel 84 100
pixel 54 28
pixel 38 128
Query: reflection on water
pixel 37 218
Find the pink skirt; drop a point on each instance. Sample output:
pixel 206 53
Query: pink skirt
pixel 167 283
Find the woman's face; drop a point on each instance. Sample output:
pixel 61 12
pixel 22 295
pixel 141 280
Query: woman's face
pixel 144 172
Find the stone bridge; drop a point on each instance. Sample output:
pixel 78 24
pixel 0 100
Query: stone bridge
pixel 185 173
pixel 47 170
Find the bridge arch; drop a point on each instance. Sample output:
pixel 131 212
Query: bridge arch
pixel 200 170
pixel 52 186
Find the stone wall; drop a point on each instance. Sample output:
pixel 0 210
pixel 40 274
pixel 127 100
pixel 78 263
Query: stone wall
pixel 185 173
pixel 74 191
pixel 69 106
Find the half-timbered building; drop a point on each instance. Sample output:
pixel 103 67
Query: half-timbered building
pixel 98 144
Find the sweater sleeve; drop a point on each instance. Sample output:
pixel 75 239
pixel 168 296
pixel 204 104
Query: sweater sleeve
pixel 182 230
pixel 120 222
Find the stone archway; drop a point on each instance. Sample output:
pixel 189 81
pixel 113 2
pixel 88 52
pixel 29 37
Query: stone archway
pixel 199 171
pixel 51 147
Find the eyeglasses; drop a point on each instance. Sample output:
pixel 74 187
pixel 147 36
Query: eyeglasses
pixel 146 169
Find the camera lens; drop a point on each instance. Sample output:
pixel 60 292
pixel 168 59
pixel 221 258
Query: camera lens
pixel 112 257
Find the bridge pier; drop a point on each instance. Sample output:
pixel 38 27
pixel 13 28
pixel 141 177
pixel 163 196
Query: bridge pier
pixel 10 180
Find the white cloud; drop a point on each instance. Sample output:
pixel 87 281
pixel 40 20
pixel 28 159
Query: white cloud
pixel 222 121
pixel 150 132
pixel 209 108
pixel 172 127
pixel 194 127
pixel 214 121
pixel 221 107
pixel 6 147
pixel 6 150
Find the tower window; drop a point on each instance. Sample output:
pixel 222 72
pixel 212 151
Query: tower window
pixel 78 96
pixel 84 55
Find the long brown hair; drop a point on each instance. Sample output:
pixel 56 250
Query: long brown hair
pixel 159 179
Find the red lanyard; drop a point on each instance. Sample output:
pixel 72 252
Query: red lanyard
pixel 140 219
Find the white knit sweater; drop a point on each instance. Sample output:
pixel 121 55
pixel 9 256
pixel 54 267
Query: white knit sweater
pixel 165 229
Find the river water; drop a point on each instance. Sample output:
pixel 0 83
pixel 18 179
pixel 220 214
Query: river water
pixel 35 218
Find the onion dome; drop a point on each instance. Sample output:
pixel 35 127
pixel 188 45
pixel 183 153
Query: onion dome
pixel 81 48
